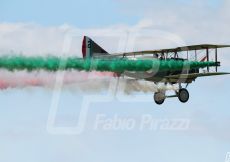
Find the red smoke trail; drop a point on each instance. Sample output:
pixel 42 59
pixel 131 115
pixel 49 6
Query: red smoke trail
pixel 46 79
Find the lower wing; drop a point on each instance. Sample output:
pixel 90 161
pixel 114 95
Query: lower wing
pixel 194 75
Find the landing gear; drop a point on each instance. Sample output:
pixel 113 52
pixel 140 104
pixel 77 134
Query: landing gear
pixel 159 98
pixel 183 95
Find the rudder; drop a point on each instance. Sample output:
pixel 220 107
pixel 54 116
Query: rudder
pixel 91 49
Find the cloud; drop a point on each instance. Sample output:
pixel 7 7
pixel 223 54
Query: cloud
pixel 33 39
pixel 30 38
pixel 195 21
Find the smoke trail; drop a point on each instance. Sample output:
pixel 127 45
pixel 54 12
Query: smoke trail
pixel 23 79
pixel 130 86
pixel 52 63
pixel 80 75
pixel 73 81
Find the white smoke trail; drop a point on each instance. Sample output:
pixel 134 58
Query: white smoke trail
pixel 130 85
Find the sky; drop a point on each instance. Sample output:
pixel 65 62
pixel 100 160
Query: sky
pixel 39 27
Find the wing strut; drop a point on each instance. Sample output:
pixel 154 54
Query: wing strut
pixel 207 54
pixel 216 59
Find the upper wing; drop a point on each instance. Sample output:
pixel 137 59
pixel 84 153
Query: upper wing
pixel 178 49
pixel 193 76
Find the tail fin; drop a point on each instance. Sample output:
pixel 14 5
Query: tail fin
pixel 91 49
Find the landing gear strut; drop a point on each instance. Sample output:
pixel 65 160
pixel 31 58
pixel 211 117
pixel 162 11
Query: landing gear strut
pixel 159 98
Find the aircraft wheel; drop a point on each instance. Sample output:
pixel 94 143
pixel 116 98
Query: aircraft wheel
pixel 159 98
pixel 183 95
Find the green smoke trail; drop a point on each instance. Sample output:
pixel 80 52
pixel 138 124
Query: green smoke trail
pixel 52 63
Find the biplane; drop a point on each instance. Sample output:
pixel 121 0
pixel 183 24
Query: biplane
pixel 202 53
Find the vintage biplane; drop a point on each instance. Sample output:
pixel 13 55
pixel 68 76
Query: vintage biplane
pixel 201 53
